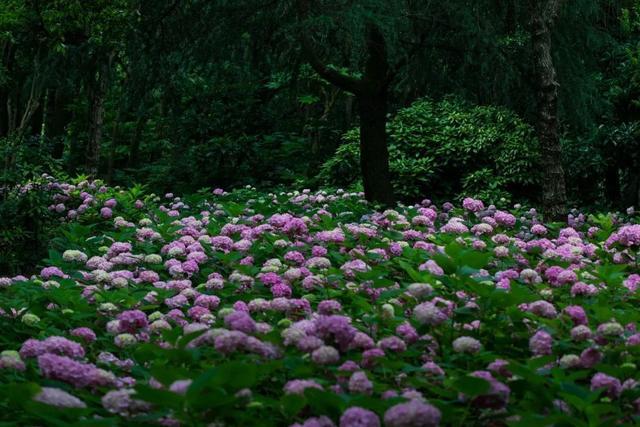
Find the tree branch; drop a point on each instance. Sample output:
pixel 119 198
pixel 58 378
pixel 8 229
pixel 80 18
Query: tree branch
pixel 348 83
pixel 344 82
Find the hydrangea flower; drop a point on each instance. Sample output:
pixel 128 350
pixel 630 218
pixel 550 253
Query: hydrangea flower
pixel 58 398
pixel 414 413
pixel 359 417
pixel 466 345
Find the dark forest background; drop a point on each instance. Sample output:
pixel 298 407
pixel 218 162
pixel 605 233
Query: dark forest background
pixel 181 95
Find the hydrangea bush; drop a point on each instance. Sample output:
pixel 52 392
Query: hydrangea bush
pixel 311 309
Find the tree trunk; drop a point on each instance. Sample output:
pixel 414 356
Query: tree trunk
pixel 8 58
pixel 60 118
pixel 43 121
pixel 374 154
pixel 97 90
pixel 115 134
pixel 554 196
pixel 612 184
pixel 134 150
pixel 12 113
pixel 372 104
pixel 371 91
pixel 631 195
pixel 511 17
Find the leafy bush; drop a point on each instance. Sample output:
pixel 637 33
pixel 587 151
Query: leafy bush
pixel 26 158
pixel 448 148
pixel 227 161
pixel 601 168
pixel 26 224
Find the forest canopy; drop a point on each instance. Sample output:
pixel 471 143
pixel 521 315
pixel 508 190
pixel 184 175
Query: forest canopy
pixel 183 95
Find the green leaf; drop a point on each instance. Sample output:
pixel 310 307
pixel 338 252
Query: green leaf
pixel 292 404
pixel 471 386
pixel 411 271
pixel 325 403
pixel 234 375
pixel 161 398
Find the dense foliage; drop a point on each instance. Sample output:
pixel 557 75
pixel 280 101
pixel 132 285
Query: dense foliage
pixel 245 306
pixel 138 91
pixel 27 223
pixel 450 148
pixel 27 226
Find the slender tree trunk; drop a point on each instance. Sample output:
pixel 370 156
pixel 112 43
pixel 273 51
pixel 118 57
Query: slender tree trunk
pixel 33 101
pixel 19 125
pixel 4 95
pixel 12 113
pixel 115 134
pixel 96 118
pixel 3 114
pixel 134 150
pixel 554 196
pixel 6 118
pixel 12 140
pixel 97 91
pixel 631 194
pixel 43 125
pixel 348 111
pixel 612 184
pixel 511 17
pixel 60 118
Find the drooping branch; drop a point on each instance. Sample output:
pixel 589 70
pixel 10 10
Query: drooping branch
pixel 348 83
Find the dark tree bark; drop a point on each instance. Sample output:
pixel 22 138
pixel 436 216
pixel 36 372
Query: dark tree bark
pixel 4 129
pixel 60 116
pixel 511 18
pixel 554 198
pixel 371 92
pixel 6 113
pixel 134 148
pixel 42 119
pixel 374 154
pixel 372 107
pixel 96 91
pixel 612 184
pixel 115 136
pixel 631 194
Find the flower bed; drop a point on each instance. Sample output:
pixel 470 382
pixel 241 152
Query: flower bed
pixel 311 309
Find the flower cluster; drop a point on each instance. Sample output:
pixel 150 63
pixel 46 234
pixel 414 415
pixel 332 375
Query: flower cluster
pixel 310 309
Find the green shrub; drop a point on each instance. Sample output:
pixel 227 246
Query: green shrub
pixel 26 224
pixel 601 167
pixel 228 161
pixel 448 149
